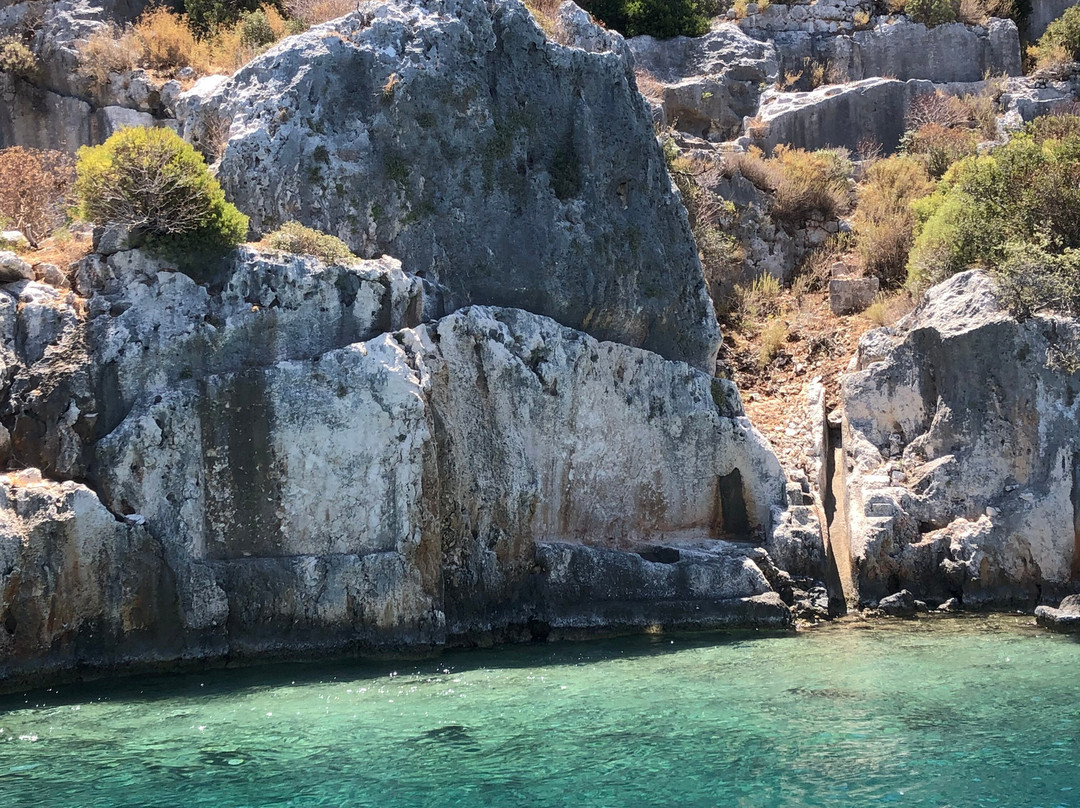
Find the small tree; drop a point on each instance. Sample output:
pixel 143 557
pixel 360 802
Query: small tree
pixel 34 186
pixel 154 182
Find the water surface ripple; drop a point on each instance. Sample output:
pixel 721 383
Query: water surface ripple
pixel 951 712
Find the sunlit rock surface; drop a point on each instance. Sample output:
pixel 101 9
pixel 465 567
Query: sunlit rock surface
pixel 963 453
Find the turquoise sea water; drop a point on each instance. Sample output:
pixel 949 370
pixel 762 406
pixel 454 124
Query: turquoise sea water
pixel 950 712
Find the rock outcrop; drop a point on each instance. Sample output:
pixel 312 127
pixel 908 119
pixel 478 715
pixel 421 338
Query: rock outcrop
pixel 901 49
pixel 1065 618
pixel 292 463
pixel 708 84
pixel 453 135
pixel 837 115
pixel 963 460
pixel 57 106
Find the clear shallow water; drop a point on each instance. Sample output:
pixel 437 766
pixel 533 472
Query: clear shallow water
pixel 966 712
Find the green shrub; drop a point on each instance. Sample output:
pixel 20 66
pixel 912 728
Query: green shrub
pixel 884 221
pixel 157 184
pixel 16 58
pixel 1030 278
pixel 658 18
pixel 1062 36
pixel 293 237
pixel 207 15
pixel 256 29
pixel 932 12
pixel 1025 192
pixel 1054 127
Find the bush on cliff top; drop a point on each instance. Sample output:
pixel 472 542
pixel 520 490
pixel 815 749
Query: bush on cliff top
pixel 932 12
pixel 155 183
pixel 987 211
pixel 659 18
pixel 293 237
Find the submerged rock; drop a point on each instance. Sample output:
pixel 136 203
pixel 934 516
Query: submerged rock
pixel 979 413
pixel 511 170
pixel 1066 617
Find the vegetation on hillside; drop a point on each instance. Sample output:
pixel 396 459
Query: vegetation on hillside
pixel 156 184
pixel 214 36
pixel 1015 210
pixel 659 18
pixel 1060 44
pixel 34 188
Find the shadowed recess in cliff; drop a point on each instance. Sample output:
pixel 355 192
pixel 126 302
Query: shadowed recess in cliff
pixel 242 488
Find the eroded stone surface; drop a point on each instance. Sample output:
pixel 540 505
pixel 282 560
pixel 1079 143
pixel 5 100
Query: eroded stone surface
pixel 452 134
pixel 960 433
pixel 310 483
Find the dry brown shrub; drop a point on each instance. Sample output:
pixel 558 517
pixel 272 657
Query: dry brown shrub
pixel 315 12
pixel 884 222
pixel 165 41
pixel 801 182
pixel 811 182
pixel 939 146
pixel 936 107
pixel 648 85
pixel 111 49
pixel 34 187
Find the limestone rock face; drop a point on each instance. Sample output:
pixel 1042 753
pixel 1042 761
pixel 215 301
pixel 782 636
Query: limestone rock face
pixel 943 54
pixel 709 83
pixel 963 460
pixel 292 463
pixel 838 115
pixel 77 586
pixel 78 364
pixel 453 135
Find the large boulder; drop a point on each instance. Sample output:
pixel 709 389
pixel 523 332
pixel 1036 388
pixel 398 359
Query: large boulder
pixel 453 135
pixel 1065 618
pixel 837 115
pixel 708 84
pixel 313 470
pixel 962 450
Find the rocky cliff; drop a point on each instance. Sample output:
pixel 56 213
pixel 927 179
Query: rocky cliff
pixel 963 466
pixel 454 135
pixel 289 461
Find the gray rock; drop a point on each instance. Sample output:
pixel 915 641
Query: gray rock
pixel 510 169
pixel 50 274
pixel 907 50
pixel 80 588
pixel 951 605
pixel 977 514
pixel 901 604
pixel 838 115
pixel 13 268
pixel 111 239
pixel 311 484
pixel 709 83
pixel 852 295
pixel 1066 617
